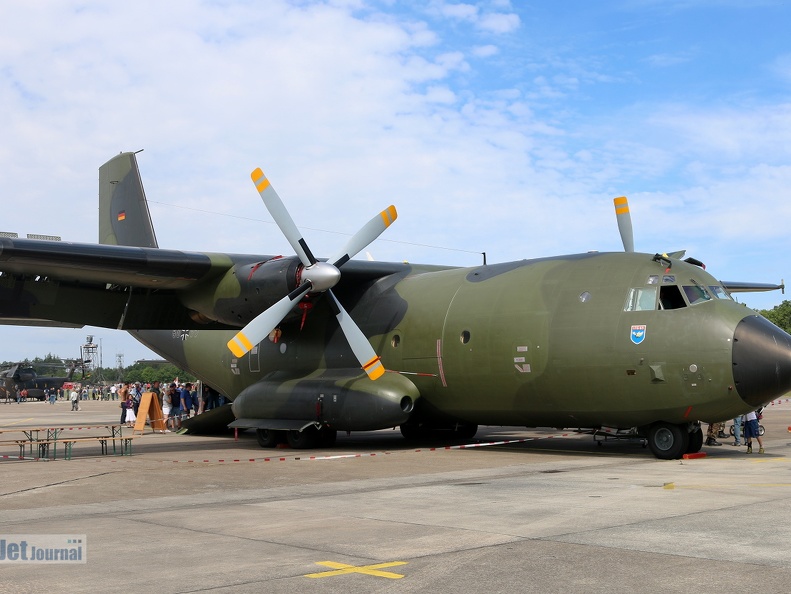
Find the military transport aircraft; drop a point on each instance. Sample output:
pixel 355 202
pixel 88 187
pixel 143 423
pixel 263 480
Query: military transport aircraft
pixel 650 344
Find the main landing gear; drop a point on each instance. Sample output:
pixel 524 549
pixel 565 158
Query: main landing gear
pixel 310 437
pixel 669 441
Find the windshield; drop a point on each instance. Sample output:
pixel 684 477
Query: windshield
pixel 719 292
pixel 696 294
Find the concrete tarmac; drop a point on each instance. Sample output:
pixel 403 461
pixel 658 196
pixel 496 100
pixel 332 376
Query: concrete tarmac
pixel 521 511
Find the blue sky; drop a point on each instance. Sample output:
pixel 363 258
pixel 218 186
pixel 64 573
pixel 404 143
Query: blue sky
pixel 496 126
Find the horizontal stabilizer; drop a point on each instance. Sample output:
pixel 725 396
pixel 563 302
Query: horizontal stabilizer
pixel 740 287
pixel 35 322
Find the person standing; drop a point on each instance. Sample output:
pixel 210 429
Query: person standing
pixel 75 403
pixel 711 434
pixel 186 401
pixel 156 390
pixel 751 429
pixel 128 415
pixel 170 407
pixel 137 395
pixel 737 431
pixel 124 408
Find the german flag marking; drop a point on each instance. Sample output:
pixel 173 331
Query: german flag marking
pixel 122 215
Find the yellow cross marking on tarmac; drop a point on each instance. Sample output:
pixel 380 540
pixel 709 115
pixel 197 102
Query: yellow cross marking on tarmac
pixel 343 569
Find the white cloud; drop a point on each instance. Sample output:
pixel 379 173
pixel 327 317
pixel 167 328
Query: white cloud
pixel 485 51
pixel 500 23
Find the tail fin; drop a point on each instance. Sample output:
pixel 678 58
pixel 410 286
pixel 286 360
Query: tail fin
pixel 123 211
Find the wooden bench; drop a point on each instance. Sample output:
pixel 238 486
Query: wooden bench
pixel 20 443
pixel 68 444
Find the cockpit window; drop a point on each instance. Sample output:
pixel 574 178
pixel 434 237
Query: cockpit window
pixel 719 292
pixel 696 294
pixel 641 299
pixel 670 297
pixel 668 278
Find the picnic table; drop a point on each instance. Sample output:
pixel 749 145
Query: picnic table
pixel 41 438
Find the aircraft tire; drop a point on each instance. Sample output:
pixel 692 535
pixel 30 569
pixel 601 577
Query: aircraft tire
pixel 268 438
pixel 466 431
pixel 327 437
pixel 413 432
pixel 303 440
pixel 695 441
pixel 668 441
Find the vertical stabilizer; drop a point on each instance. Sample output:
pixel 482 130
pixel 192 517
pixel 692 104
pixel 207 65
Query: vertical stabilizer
pixel 123 211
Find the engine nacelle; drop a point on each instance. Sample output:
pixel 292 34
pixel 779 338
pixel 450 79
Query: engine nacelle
pixel 342 399
pixel 245 291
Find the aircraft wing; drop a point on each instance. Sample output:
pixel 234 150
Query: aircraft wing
pixel 742 287
pixel 114 264
pixel 111 286
pixel 47 283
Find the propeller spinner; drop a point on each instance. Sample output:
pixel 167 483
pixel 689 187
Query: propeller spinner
pixel 316 277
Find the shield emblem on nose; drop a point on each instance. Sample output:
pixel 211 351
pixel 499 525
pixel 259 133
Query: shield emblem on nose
pixel 638 334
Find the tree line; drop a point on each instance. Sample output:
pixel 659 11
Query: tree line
pixel 779 315
pixel 141 371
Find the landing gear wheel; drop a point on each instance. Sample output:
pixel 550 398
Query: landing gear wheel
pixel 303 440
pixel 268 438
pixel 413 432
pixel 761 430
pixel 327 437
pixel 695 441
pixel 465 431
pixel 668 441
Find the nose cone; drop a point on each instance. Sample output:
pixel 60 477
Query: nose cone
pixel 761 360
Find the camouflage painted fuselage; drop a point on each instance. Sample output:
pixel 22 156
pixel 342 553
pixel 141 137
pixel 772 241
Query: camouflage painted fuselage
pixel 540 343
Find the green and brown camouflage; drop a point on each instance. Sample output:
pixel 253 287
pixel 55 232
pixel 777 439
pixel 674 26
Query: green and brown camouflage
pixel 646 343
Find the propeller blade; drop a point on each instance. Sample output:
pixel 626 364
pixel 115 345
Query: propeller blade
pixel 624 223
pixel 370 231
pixel 283 219
pixel 265 322
pixel 361 348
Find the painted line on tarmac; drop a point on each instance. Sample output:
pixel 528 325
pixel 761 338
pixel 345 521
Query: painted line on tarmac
pixel 345 569
pixel 15 422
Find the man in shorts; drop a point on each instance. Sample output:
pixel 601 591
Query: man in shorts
pixel 751 430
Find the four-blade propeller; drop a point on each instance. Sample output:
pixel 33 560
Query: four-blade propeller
pixel 316 277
